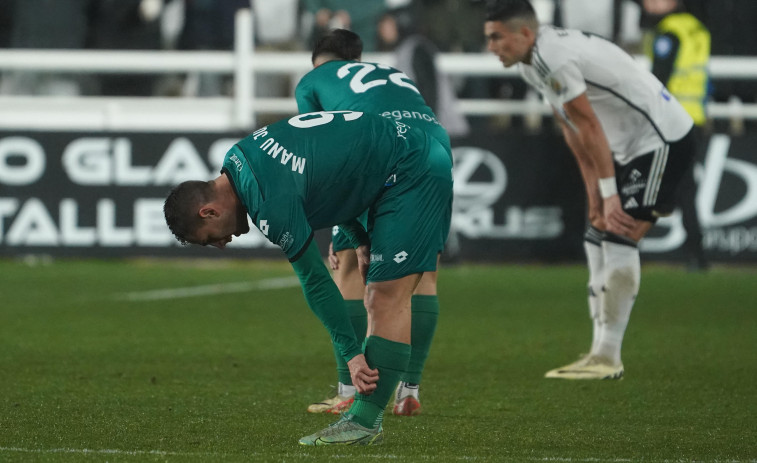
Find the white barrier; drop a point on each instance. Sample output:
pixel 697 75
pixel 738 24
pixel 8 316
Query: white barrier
pixel 244 63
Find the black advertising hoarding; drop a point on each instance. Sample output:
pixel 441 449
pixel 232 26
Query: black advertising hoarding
pixel 102 195
pixel 518 197
pixel 726 202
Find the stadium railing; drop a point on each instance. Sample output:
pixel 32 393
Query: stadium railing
pixel 244 63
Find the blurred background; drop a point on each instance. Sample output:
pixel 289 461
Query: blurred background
pixel 105 104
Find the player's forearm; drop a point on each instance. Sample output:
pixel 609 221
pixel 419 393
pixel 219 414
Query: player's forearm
pixel 325 301
pixel 592 150
pixel 585 163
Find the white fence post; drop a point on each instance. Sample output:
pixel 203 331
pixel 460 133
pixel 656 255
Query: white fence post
pixel 243 75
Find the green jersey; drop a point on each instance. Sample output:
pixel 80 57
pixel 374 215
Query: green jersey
pixel 318 170
pixel 370 88
pixel 322 169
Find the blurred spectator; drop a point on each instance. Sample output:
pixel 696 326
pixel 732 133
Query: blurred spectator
pixel 454 26
pixel 732 25
pixel 209 25
pixel 615 20
pixel 415 55
pixel 126 25
pixel 594 16
pixel 678 45
pixel 277 24
pixel 276 29
pixel 6 20
pixel 50 24
pixel 361 17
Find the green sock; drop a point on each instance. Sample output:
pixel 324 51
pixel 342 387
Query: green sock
pixel 390 358
pixel 425 310
pixel 359 319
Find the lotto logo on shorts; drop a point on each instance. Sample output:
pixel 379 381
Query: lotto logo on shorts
pixel 400 257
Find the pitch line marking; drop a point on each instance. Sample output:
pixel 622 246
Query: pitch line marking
pixel 307 456
pixel 105 452
pixel 209 290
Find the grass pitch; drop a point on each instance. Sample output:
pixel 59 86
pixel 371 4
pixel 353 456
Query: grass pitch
pixel 100 361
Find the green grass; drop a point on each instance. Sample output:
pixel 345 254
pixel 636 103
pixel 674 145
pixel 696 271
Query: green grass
pixel 87 375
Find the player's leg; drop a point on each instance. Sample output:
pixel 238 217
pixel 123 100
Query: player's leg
pixel 350 283
pixel 622 280
pixel 410 227
pixel 409 240
pixel 595 259
pixel 424 314
pixel 347 277
pixel 647 187
pixel 622 277
pixel 595 288
pixel 595 262
pixel 387 349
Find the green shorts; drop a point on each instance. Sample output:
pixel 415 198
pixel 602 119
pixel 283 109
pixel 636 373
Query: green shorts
pixel 411 220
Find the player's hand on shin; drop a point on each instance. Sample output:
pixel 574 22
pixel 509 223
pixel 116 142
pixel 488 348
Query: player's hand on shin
pixel 333 259
pixel 616 219
pixel 363 260
pixel 363 378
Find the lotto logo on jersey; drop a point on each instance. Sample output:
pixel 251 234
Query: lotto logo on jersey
pixel 263 227
pixel 400 257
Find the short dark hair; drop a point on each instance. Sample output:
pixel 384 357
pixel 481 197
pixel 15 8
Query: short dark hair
pixel 341 43
pixel 505 10
pixel 182 206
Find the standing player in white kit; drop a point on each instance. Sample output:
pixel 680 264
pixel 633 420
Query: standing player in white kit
pixel 633 143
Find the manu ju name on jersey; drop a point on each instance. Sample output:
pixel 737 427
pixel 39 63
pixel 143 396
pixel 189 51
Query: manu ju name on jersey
pixel 278 151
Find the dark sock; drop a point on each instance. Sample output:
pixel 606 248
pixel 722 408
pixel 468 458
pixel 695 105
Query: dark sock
pixel 390 358
pixel 425 313
pixel 359 319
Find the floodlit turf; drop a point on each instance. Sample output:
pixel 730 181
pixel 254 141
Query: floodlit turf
pixel 92 369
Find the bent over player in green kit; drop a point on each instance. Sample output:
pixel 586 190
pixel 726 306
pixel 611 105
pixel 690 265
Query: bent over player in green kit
pixel 322 169
pixel 340 81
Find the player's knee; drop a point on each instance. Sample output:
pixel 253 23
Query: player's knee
pixel 374 299
pixel 346 275
pixel 382 299
pixel 427 285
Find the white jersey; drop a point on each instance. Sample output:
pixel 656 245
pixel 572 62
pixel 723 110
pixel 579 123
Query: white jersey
pixel 637 113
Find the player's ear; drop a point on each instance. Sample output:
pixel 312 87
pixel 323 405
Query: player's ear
pixel 207 211
pixel 527 32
